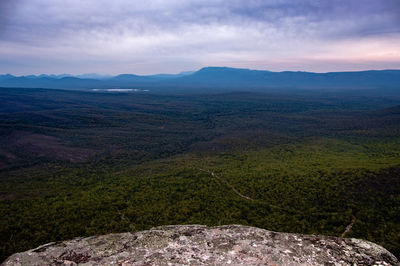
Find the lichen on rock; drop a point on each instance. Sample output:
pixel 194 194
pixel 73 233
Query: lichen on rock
pixel 202 245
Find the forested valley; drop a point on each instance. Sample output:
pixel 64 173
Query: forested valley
pixel 76 163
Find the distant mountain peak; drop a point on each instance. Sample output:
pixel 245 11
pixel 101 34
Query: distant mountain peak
pixel 214 77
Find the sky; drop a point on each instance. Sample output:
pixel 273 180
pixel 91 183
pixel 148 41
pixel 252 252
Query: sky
pixel 170 36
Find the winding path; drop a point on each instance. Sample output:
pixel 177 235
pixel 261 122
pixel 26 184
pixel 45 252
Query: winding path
pixel 244 196
pixel 229 185
pixel 348 228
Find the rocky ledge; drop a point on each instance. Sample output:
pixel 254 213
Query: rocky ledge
pixel 201 245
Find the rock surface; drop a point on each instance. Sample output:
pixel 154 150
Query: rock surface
pixel 197 245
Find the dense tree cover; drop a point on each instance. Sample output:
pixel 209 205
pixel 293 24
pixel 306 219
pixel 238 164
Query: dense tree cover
pixel 76 164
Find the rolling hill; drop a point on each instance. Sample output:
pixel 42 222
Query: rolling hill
pixel 217 79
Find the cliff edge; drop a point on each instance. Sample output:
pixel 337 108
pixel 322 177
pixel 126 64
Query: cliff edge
pixel 202 245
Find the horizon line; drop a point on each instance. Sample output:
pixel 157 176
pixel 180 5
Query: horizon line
pixel 193 71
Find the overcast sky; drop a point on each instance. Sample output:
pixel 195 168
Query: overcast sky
pixel 169 36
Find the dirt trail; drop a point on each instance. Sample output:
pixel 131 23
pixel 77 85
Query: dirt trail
pixel 240 194
pixel 348 228
pixel 227 184
pixel 244 196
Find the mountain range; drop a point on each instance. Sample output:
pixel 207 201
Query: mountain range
pixel 213 78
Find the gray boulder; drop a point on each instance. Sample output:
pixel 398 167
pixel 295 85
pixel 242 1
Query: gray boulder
pixel 201 245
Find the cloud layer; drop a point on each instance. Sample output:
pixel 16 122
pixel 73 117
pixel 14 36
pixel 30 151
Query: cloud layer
pixel 123 36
